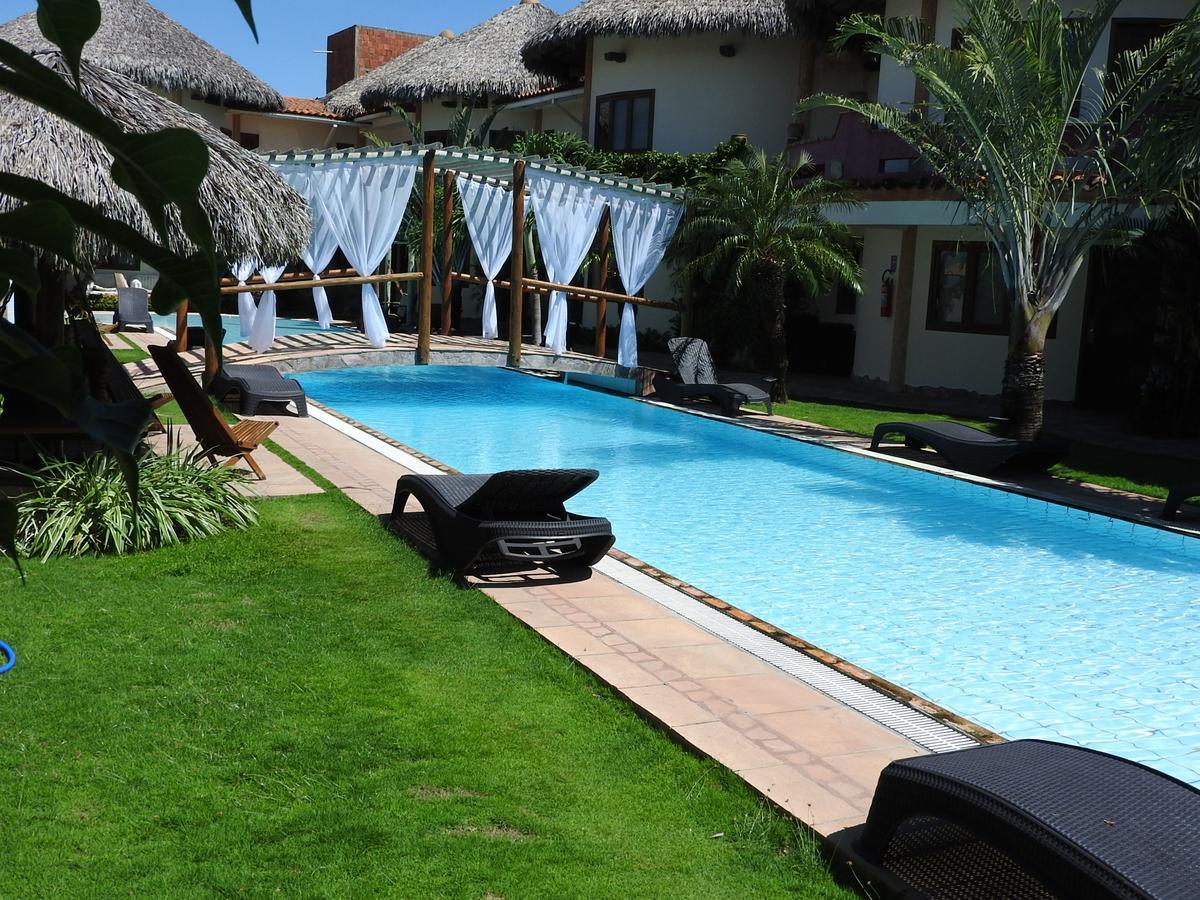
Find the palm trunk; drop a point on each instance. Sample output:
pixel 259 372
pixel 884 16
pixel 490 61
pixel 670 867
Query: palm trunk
pixel 767 281
pixel 1023 395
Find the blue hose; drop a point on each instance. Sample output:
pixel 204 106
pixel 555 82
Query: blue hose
pixel 10 658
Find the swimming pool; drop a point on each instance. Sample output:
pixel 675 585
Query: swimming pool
pixel 232 329
pixel 1032 619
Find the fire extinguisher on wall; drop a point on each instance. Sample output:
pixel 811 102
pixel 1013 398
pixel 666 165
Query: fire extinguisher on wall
pixel 887 289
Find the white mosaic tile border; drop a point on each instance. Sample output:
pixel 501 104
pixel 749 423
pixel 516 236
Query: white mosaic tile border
pixel 919 728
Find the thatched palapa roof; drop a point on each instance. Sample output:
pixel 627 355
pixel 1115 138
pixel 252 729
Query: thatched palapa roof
pixel 484 60
pixel 347 99
pixel 562 44
pixel 254 213
pixel 153 49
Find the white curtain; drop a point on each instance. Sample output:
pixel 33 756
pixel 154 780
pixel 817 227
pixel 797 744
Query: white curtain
pixel 243 269
pixel 364 204
pixel 642 228
pixel 262 332
pixel 567 212
pixel 10 311
pixel 324 242
pixel 489 214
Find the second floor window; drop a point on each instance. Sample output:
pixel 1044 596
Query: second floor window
pixel 625 122
pixel 966 292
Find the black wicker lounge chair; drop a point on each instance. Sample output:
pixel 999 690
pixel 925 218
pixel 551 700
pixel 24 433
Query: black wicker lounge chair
pixel 1076 822
pixel 133 308
pixel 256 384
pixel 695 378
pixel 1177 495
pixel 971 449
pixel 507 520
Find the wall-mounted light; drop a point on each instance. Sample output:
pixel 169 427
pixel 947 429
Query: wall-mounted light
pixel 617 56
pixel 728 50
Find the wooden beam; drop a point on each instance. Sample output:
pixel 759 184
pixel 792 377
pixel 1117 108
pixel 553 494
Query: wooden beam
pixel 517 265
pixel 291 276
pixel 326 283
pixel 573 291
pixel 601 283
pixel 447 251
pixel 425 307
pixel 181 332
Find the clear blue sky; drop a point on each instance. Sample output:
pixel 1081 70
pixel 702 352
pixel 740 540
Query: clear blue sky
pixel 290 30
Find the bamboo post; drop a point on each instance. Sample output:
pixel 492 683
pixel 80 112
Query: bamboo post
pixel 602 283
pixel 517 293
pixel 447 251
pixel 425 310
pixel 181 334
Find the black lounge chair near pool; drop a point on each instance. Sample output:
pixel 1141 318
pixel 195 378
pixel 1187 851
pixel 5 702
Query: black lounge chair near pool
pixel 1176 497
pixel 256 384
pixel 507 520
pixel 971 449
pixel 695 378
pixel 1035 819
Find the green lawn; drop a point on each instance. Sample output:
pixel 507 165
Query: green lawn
pixel 1112 468
pixel 132 352
pixel 302 710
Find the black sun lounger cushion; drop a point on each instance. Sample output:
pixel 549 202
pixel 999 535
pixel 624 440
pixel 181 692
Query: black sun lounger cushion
pixel 256 384
pixel 1082 823
pixel 505 520
pixel 970 449
pixel 695 378
pixel 1177 495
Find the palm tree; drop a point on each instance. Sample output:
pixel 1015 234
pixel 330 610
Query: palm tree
pixel 1049 155
pixel 754 227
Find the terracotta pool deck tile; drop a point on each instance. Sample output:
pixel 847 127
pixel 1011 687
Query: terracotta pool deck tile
pixel 654 634
pixel 618 671
pixel 804 798
pixel 863 768
pixel 621 608
pixel 725 745
pixel 573 640
pixel 769 692
pixel 833 730
pixel 712 661
pixel 535 614
pixel 596 586
pixel 667 705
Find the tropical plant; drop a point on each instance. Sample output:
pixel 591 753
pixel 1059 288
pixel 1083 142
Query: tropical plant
pixel 758 225
pixel 162 170
pixel 83 507
pixel 460 132
pixel 1049 155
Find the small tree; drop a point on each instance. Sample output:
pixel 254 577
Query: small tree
pixel 754 227
pixel 1049 155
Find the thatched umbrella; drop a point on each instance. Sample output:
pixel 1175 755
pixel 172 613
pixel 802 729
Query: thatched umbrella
pixel 153 49
pixel 559 48
pixel 347 99
pixel 253 211
pixel 484 60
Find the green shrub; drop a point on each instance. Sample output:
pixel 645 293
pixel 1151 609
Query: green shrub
pixel 80 508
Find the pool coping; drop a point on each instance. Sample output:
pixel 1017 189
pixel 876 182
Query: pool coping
pixel 864 677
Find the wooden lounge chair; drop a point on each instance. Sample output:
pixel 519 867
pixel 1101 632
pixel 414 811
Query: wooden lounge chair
pixel 695 378
pixel 215 436
pixel 133 308
pixel 257 384
pixel 971 449
pixel 1078 823
pixel 1176 497
pixel 506 520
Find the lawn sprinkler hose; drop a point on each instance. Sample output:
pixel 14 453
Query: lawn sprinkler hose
pixel 7 658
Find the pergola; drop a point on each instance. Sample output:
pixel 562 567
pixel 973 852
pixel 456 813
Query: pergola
pixel 507 173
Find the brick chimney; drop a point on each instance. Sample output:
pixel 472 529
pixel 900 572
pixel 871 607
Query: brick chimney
pixel 356 50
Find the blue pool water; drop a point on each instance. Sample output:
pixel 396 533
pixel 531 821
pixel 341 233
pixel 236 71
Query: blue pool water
pixel 232 329
pixel 1032 619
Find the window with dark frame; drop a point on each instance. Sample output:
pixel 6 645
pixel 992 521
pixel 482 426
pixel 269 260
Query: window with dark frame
pixel 625 122
pixel 966 291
